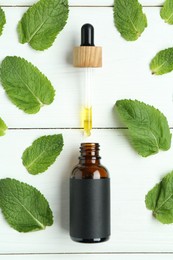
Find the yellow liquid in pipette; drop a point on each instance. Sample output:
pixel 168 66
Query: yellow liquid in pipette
pixel 87 120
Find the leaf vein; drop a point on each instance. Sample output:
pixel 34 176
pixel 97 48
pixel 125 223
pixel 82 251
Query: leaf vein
pixel 39 101
pixel 29 213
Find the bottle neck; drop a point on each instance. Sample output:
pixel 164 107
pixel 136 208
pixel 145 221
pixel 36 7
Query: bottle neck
pixel 89 154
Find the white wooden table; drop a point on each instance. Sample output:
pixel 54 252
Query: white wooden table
pixel 125 74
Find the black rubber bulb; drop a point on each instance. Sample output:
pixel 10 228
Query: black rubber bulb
pixel 87 35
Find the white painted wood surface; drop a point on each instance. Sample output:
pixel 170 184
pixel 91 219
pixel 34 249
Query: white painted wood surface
pixel 133 227
pixel 88 257
pixel 125 74
pixel 83 2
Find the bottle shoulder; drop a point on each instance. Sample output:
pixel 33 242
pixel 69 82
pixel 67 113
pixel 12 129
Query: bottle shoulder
pixel 90 171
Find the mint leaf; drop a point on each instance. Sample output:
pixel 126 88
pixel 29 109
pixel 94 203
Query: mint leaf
pixel 166 11
pixel 163 62
pixel 148 127
pixel 129 19
pixel 160 200
pixel 2 20
pixel 3 127
pixel 25 85
pixel 42 22
pixel 42 153
pixel 23 206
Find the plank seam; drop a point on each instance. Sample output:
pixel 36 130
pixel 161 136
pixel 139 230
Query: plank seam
pixel 64 128
pixel 148 6
pixel 69 128
pixel 83 6
pixel 89 253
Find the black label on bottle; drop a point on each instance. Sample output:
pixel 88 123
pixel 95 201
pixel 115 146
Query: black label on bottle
pixel 90 208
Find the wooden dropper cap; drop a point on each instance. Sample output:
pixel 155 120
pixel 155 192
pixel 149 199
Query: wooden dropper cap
pixel 87 55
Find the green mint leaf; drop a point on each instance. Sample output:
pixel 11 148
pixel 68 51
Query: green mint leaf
pixel 166 11
pixel 129 19
pixel 3 127
pixel 160 200
pixel 2 20
pixel 23 206
pixel 42 153
pixel 25 85
pixel 42 22
pixel 163 62
pixel 148 127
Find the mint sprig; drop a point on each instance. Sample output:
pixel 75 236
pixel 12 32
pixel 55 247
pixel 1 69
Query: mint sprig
pixel 160 200
pixel 2 20
pixel 25 85
pixel 129 19
pixel 148 127
pixel 23 206
pixel 42 153
pixel 42 22
pixel 162 62
pixel 3 127
pixel 166 12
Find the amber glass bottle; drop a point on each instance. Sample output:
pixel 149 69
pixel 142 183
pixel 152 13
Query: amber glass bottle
pixel 89 197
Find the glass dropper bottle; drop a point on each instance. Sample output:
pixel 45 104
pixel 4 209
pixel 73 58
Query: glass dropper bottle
pixel 87 56
pixel 89 197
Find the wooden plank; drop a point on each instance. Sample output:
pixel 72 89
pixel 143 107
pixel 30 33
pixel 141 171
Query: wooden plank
pixel 88 257
pixel 125 72
pixel 81 2
pixel 133 227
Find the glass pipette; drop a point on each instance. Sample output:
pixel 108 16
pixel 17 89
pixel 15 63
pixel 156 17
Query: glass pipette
pixel 87 56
